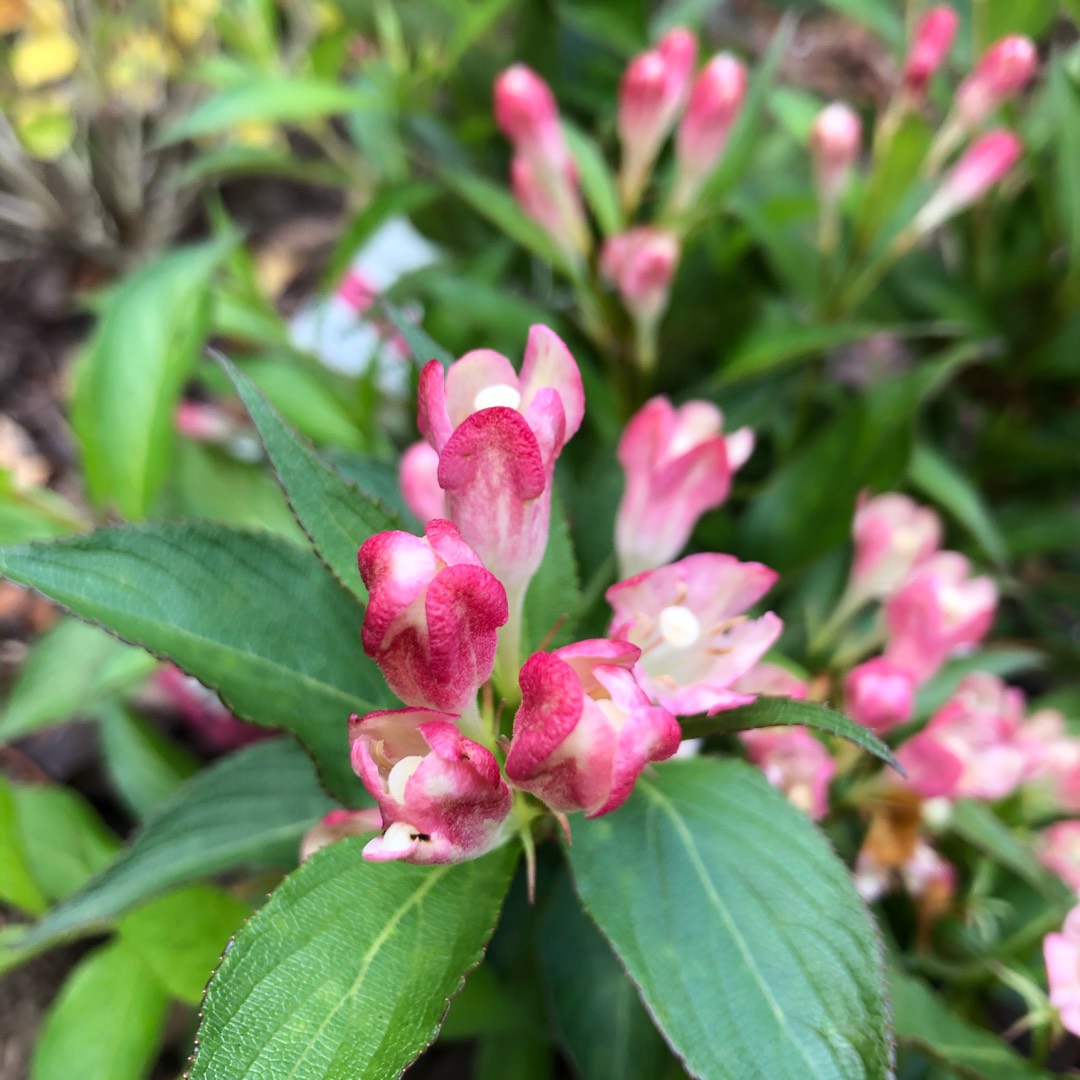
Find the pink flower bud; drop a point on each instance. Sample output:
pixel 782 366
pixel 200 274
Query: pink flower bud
pixel 337 825
pixel 714 104
pixel 586 729
pixel 418 476
pixel 356 291
pixel 940 610
pixel 204 422
pixel 879 695
pixel 641 264
pixel 984 165
pixel 933 39
pixel 654 90
pixel 677 464
pixel 498 435
pixel 433 615
pixel 1059 851
pixel 834 145
pixel 796 763
pixel 1062 955
pixel 203 712
pixel 689 620
pixel 526 112
pixel 1001 73
pixel 893 535
pixel 441 795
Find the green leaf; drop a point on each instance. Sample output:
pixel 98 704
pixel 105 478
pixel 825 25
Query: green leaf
pixel 777 711
pixel 1065 99
pixel 554 595
pixel 66 842
pixel 34 514
pixel 269 98
pixel 131 373
pixel 69 672
pixel 247 810
pixel 347 970
pixel 334 512
pixel 107 1022
pixel 422 345
pixel 501 209
pixel 939 479
pixel 740 927
pixel 880 17
pixel 597 183
pixel 598 1015
pixel 17 885
pixel 924 1021
pixel 248 614
pixel 1032 18
pixel 145 766
pixel 181 935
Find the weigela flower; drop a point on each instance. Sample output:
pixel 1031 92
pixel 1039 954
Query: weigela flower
pixel 498 435
pixel 1062 955
pixel 879 695
pixel 930 48
pixel 794 762
pixel 893 535
pixel 1052 758
pixel 1001 73
pixel 835 137
pixel 940 610
pixel 640 263
pixel 418 477
pixel 1059 851
pixel 336 825
pixel 677 464
pixel 689 620
pixel 585 728
pixel 432 617
pixel 441 795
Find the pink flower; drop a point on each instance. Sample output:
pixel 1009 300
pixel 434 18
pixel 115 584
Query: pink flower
pixel 336 825
pixel 1052 758
pixel 771 680
pixel 1059 851
pixel 586 729
pixel 677 465
pixel 715 101
pixel 212 724
pixel 1001 73
pixel 441 795
pixel 925 872
pixel 689 621
pixel 982 167
pixel 1062 955
pixel 939 611
pixel 893 535
pixel 796 763
pixel 933 39
pixel 834 146
pixel 970 747
pixel 418 476
pixel 526 111
pixel 641 264
pixel 879 695
pixel 653 92
pixel 498 435
pixel 433 615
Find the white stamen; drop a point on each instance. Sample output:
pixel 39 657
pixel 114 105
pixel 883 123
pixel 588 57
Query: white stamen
pixel 399 776
pixel 679 626
pixel 499 394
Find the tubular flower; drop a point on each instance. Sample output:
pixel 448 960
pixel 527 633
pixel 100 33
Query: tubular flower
pixel 677 464
pixel 1001 73
pixel 794 762
pixel 498 435
pixel 689 621
pixel 585 728
pixel 934 37
pixel 433 615
pixel 879 695
pixel 418 477
pixel 441 795
pixel 1062 955
pixel 893 535
pixel 640 263
pixel 1059 851
pixel 834 147
pixel 941 610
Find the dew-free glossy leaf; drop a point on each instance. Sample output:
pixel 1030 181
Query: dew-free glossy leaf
pixel 739 925
pixel 248 614
pixel 347 969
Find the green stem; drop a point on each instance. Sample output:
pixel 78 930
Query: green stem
pixel 508 654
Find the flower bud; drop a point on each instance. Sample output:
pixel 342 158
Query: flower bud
pixel 879 695
pixel 1062 955
pixel 983 165
pixel 432 617
pixel 585 728
pixel 689 620
pixel 677 464
pixel 441 795
pixel 834 146
pixel 930 48
pixel 641 264
pixel 794 762
pixel 418 477
pixel 893 535
pixel 526 112
pixel 714 104
pixel 1001 73
pixel 337 825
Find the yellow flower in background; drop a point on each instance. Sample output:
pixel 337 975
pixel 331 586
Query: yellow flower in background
pixel 139 68
pixel 327 16
pixel 189 19
pixel 42 57
pixel 44 124
pixel 255 133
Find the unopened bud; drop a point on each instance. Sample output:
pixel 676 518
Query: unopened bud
pixel 1001 73
pixel 983 166
pixel 933 39
pixel 834 145
pixel 525 108
pixel 640 264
